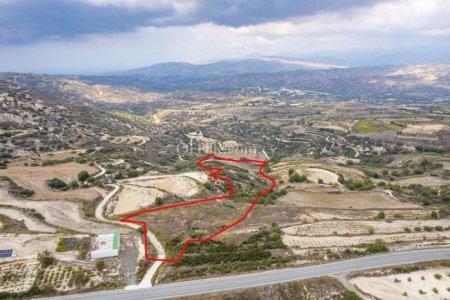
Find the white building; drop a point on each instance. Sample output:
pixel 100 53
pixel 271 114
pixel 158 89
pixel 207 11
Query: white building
pixel 106 245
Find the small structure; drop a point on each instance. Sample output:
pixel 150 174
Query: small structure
pixel 7 253
pixel 106 245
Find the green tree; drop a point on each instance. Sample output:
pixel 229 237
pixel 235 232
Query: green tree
pixel 83 176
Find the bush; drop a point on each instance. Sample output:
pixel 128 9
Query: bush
pixel 349 295
pixel 297 178
pixel 377 246
pixel 60 245
pixel 73 184
pixel 159 201
pixel 434 215
pixel 83 176
pixel 57 184
pixel 45 259
pixel 100 265
pixel 380 216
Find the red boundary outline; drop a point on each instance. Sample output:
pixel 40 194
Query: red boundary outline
pixel 216 171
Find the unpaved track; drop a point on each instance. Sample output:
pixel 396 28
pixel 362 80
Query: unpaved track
pixel 30 223
pixel 147 280
pixel 59 213
pixel 102 171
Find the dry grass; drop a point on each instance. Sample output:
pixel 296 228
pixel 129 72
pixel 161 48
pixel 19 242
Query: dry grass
pixel 394 286
pixel 348 200
pixel 35 178
pixel 132 198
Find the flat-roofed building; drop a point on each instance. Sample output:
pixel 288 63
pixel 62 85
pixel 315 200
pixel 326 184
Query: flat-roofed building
pixel 106 245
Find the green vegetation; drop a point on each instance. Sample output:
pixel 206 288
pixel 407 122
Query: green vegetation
pixel 216 257
pixel 15 189
pixel 380 216
pixel 100 265
pixel 57 184
pixel 357 185
pixel 349 295
pixel 53 162
pixel 60 245
pixel 377 246
pixel 374 126
pixel 159 201
pixel 83 176
pixel 45 259
pixel 295 177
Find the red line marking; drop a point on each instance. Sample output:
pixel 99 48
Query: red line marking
pixel 216 171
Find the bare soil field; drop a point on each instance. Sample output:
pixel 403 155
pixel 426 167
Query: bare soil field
pixel 296 242
pixel 315 174
pixel 314 170
pixel 419 285
pixel 35 178
pixel 327 228
pixel 126 139
pixel 31 223
pixel 61 213
pixel 56 155
pixel 427 129
pixel 132 198
pixel 431 181
pixel 348 200
pixel 27 246
pixel 178 185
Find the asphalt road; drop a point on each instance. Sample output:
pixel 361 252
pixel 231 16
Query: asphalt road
pixel 173 290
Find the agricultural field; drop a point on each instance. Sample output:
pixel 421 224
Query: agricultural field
pixel 432 283
pixel 374 126
pixel 35 178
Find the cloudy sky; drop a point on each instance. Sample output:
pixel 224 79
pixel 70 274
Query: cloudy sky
pixel 81 36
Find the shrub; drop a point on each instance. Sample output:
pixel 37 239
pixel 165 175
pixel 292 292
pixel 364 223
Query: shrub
pixel 377 246
pixel 73 184
pixel 434 215
pixel 60 245
pixel 438 276
pixel 100 265
pixel 57 184
pixel 428 228
pixel 159 201
pixel 297 178
pixel 349 295
pixel 83 175
pixel 45 259
pixel 380 216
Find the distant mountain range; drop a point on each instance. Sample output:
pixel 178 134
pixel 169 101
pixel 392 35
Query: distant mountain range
pixel 266 64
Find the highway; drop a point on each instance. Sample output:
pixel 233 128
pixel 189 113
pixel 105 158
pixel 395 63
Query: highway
pixel 173 290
